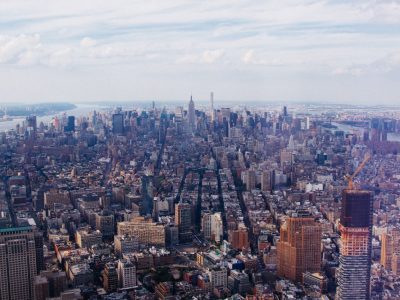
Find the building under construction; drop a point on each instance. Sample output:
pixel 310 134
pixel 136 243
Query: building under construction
pixel 355 251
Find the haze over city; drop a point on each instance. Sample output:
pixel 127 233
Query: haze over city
pixel 285 51
pixel 199 150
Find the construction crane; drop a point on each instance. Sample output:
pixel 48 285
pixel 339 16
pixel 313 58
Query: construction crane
pixel 349 178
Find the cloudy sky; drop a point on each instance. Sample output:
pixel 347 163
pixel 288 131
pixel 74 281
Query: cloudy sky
pixel 266 50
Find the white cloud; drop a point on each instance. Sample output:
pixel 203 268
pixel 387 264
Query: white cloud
pixel 12 47
pixel 206 57
pixel 88 42
pixel 388 63
pixel 211 56
pixel 241 37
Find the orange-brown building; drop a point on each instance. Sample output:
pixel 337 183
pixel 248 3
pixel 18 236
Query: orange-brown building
pixel 390 248
pixel 239 239
pixel 299 247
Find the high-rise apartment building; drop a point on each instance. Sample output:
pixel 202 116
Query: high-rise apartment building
pixel 17 263
pixel 212 226
pixel 183 219
pixel 126 274
pixel 390 248
pixel 212 107
pixel 239 238
pixel 355 252
pixel 218 276
pixel 299 247
pixel 110 277
pixel 266 181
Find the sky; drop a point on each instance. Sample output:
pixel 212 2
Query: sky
pixel 333 51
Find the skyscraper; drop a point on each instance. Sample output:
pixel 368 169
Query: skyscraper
pixel 118 123
pixel 266 181
pixel 251 180
pixel 31 125
pixel 70 124
pixel 299 248
pixel 183 219
pixel 17 263
pixel 355 252
pixel 212 107
pixel 191 114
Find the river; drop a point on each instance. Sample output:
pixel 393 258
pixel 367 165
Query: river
pixel 81 110
pixel 392 137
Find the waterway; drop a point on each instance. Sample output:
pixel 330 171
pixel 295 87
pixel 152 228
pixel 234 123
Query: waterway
pixel 392 137
pixel 81 110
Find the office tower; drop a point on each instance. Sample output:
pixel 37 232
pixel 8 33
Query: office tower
pixel 126 273
pixel 118 123
pixel 355 252
pixel 41 288
pixel 70 124
pixel 191 114
pixel 110 278
pixel 212 107
pixel 212 227
pixel 147 232
pixel 17 263
pixel 390 247
pixel 251 180
pixel 299 247
pixel 183 219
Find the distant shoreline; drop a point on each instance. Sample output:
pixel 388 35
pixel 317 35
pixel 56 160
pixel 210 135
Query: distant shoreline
pixel 18 111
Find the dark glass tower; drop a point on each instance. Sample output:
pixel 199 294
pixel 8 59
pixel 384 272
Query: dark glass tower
pixel 118 123
pixel 355 251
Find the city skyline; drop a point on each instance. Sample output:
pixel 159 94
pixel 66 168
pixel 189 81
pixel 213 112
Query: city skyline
pixel 284 51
